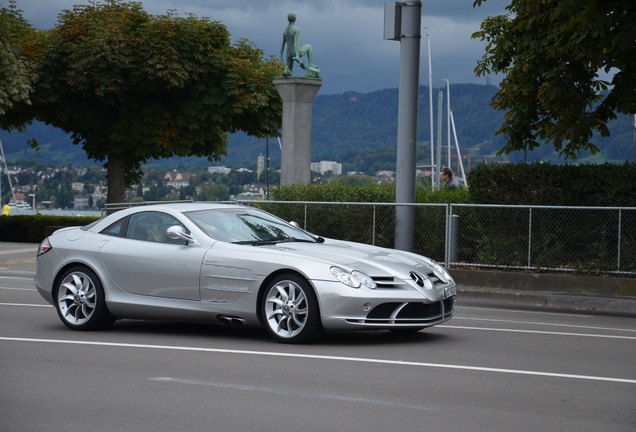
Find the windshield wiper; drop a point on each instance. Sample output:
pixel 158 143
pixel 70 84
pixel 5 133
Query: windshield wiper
pixel 274 241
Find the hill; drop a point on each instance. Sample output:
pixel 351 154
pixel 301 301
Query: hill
pixel 356 129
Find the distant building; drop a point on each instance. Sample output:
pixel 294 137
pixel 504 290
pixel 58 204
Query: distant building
pixel 177 180
pixel 77 186
pixel 219 169
pixel 80 203
pixel 324 166
pixel 260 165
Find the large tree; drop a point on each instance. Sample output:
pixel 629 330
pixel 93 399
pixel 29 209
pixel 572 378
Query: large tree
pixel 554 54
pixel 18 51
pixel 131 86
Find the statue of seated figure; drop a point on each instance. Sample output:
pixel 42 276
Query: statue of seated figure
pixel 294 53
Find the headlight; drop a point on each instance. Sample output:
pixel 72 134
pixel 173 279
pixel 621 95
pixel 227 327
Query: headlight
pixel 355 279
pixel 441 273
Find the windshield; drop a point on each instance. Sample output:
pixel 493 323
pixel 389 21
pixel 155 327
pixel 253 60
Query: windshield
pixel 246 226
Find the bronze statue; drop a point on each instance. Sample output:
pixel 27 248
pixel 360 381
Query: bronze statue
pixel 295 53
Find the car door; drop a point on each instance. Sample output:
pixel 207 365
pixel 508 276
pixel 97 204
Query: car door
pixel 139 263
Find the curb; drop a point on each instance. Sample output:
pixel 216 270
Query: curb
pixel 623 305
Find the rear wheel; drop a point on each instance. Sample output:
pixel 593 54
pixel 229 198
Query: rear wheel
pixel 80 300
pixel 290 310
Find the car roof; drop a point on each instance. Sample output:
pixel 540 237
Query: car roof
pixel 167 208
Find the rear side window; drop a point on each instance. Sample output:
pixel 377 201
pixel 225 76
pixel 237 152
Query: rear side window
pixel 116 229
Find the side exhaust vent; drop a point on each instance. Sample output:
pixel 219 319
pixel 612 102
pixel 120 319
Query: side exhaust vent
pixel 230 320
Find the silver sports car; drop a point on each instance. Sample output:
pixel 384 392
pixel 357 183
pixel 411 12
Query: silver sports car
pixel 235 265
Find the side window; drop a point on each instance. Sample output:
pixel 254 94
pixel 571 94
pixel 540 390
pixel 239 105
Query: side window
pixel 152 226
pixel 115 229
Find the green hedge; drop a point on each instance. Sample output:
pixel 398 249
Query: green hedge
pixel 539 183
pixel 372 193
pixel 558 235
pixel 33 228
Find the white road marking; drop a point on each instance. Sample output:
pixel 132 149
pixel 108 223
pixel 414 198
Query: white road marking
pixel 551 312
pixel 537 332
pixel 18 289
pixel 544 324
pixel 294 393
pixel 17 251
pixel 324 357
pixel 25 305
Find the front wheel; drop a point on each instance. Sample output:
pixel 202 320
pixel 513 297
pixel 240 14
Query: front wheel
pixel 80 300
pixel 290 310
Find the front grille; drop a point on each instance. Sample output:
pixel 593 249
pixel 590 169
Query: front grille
pixel 396 313
pixel 427 280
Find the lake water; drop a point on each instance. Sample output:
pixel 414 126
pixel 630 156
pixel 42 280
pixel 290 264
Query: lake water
pixel 57 212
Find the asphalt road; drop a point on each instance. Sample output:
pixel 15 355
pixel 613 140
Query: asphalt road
pixel 489 369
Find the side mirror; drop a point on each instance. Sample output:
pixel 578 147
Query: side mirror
pixel 176 232
pixel 294 224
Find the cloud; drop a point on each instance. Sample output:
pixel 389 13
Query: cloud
pixel 347 35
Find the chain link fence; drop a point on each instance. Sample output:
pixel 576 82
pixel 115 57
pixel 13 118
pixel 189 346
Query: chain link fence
pixel 570 239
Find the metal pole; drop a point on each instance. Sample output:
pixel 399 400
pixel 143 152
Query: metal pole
pixel 618 265
pixel 530 238
pixel 430 108
pixel 410 36
pixel 438 173
pixel 459 154
pixel 267 167
pixel 633 120
pixel 448 128
pixel 6 168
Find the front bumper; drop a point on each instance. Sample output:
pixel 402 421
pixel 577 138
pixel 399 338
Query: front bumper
pixel 403 308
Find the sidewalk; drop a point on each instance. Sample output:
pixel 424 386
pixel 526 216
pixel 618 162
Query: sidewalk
pixel 563 291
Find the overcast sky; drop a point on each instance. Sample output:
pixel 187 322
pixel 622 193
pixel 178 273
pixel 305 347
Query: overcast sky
pixel 346 35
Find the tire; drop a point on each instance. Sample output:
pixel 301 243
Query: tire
pixel 290 310
pixel 80 300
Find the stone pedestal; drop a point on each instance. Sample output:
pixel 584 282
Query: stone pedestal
pixel 298 95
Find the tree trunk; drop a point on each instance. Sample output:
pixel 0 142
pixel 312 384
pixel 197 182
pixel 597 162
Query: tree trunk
pixel 116 180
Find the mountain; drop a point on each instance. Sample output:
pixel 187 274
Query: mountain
pixel 354 126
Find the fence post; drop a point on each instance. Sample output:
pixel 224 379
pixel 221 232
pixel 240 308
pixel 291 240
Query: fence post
pixel 373 233
pixel 447 240
pixel 618 265
pixel 454 237
pixel 530 238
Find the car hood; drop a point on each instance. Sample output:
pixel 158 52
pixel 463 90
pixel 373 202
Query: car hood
pixel 372 260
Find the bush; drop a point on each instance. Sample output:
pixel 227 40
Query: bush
pixel 33 228
pixel 538 183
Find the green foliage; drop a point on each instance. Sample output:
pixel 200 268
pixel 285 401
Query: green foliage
pixel 131 86
pixel 501 235
pixel 556 185
pixel 215 192
pixel 552 53
pixel 33 229
pixel 17 73
pixel 372 192
pixel 334 192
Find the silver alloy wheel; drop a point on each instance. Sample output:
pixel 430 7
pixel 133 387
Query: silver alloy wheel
pixel 77 298
pixel 286 309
